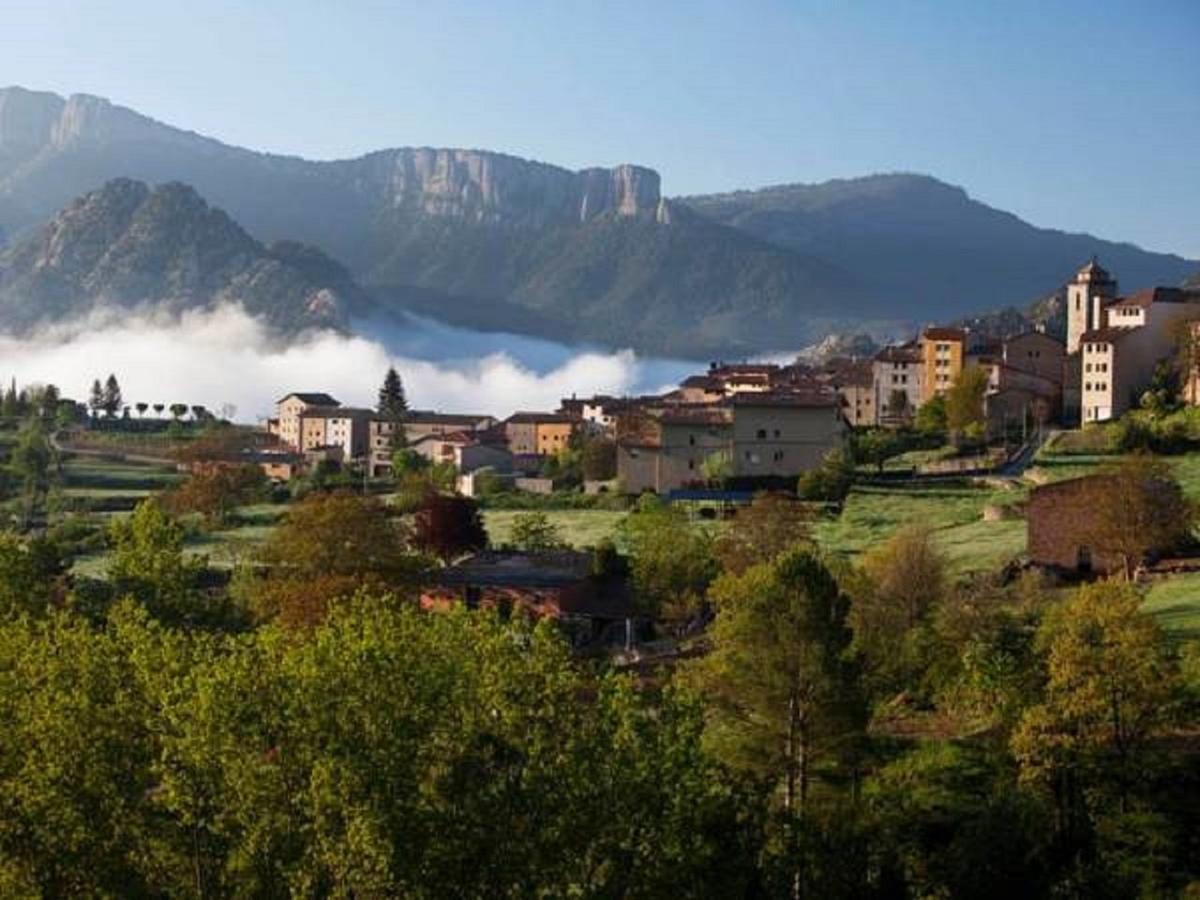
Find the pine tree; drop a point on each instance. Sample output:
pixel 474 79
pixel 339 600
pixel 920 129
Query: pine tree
pixel 112 396
pixel 392 402
pixel 392 406
pixel 96 399
pixel 11 407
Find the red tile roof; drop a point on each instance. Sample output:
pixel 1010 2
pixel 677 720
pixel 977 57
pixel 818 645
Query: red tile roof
pixel 935 333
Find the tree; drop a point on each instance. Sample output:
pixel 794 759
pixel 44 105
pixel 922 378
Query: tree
pixel 96 401
pixel 901 582
pixel 392 402
pixel 406 461
pixel 831 480
pixel 329 546
pixel 178 410
pixel 671 559
pixel 77 761
pixel 785 702
pixel 158 409
pixel 30 461
pixel 199 412
pixel 47 402
pixel 1111 687
pixel 965 416
pixel 772 524
pixel 533 532
pixel 141 406
pixel 448 527
pixel 217 492
pixel 877 446
pixel 393 407
pixel 717 468
pixel 931 416
pixel 148 563
pixel 111 396
pixel 897 403
pixel 30 576
pixel 1137 507
pixel 599 459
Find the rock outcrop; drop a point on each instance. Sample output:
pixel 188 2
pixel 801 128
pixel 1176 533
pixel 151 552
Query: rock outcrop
pixel 127 246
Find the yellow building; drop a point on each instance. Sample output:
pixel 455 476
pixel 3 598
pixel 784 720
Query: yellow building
pixel 942 353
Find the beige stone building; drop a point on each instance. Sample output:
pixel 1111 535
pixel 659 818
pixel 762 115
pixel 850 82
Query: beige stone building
pixel 751 434
pixel 418 424
pixel 1089 291
pixel 1135 334
pixel 897 375
pixel 289 411
pixel 855 384
pixel 538 433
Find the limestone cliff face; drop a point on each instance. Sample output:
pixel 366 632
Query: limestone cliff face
pixel 44 139
pixel 482 187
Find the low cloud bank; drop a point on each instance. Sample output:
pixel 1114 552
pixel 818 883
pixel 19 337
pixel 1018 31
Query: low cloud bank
pixel 226 356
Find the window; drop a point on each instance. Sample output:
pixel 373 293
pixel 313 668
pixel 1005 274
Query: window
pixel 777 456
pixel 777 433
pixel 762 434
pixel 692 440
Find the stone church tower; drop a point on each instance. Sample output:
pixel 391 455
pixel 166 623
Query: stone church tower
pixel 1086 296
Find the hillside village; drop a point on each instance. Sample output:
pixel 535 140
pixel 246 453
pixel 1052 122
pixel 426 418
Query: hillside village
pixel 962 511
pixel 771 422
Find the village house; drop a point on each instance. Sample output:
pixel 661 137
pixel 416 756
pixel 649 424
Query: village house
pixel 290 409
pixel 538 433
pixel 1135 334
pixel 751 434
pixel 466 451
pixel 855 384
pixel 943 355
pixel 557 584
pixel 1057 519
pixel 598 415
pixel 418 423
pixel 338 426
pixel 897 375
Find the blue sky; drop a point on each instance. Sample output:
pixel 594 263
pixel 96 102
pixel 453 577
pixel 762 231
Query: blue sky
pixel 1076 115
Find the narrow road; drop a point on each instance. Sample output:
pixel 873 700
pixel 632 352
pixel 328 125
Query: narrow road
pixel 1016 466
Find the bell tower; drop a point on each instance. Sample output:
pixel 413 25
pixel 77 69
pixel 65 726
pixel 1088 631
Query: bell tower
pixel 1086 295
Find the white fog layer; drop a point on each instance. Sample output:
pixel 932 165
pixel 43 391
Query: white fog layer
pixel 227 357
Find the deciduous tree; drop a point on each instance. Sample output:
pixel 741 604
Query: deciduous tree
pixel 965 418
pixel 534 532
pixel 672 559
pixel 772 524
pixel 1137 507
pixel 329 546
pixel 449 526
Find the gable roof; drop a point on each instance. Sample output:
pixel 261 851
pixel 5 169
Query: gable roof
pixel 1149 296
pixel 337 412
pixel 1108 335
pixel 313 398
pixel 538 418
pixel 937 333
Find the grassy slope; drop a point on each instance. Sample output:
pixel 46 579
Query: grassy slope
pixel 954 512
pixel 578 527
pixel 1175 602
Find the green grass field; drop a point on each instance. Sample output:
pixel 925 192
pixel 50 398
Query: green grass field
pixel 1175 603
pixel 953 512
pixel 578 527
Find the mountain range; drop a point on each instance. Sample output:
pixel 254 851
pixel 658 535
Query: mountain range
pixel 486 240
